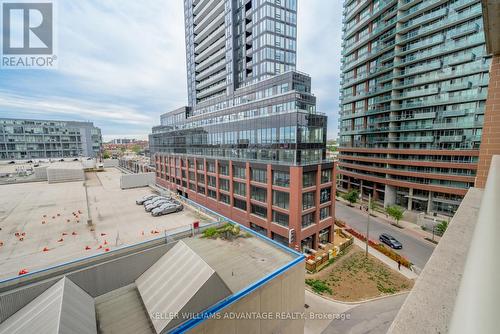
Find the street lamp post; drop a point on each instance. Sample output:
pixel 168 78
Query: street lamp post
pixel 368 224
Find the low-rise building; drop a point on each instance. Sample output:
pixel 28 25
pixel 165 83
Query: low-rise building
pixel 22 139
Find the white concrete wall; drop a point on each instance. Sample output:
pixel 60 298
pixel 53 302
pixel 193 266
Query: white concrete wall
pixel 41 173
pixel 110 163
pixel 285 293
pixel 128 181
pixel 58 175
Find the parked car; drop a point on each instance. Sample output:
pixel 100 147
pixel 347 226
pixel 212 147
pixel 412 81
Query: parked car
pixel 390 241
pixel 75 159
pixel 141 200
pixel 12 162
pixel 61 160
pixel 166 209
pixel 152 201
pixel 29 161
pixel 156 204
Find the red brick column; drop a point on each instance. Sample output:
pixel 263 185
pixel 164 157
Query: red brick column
pixel 490 143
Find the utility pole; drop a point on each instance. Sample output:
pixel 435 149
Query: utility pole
pixel 368 224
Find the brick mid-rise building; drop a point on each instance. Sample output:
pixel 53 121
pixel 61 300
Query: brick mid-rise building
pixel 490 144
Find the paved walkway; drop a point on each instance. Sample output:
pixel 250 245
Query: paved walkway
pixel 374 317
pixel 387 260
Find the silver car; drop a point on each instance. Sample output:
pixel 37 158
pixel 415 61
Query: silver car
pixel 141 200
pixel 167 209
pixel 155 205
pixel 151 201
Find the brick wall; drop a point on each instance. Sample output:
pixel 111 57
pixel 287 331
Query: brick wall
pixel 490 144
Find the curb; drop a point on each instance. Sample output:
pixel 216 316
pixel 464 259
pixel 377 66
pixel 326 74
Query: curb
pixel 358 302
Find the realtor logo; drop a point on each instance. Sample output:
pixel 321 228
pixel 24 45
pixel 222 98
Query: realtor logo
pixel 27 35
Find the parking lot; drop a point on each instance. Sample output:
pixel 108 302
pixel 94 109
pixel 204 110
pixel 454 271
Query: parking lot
pixel 50 221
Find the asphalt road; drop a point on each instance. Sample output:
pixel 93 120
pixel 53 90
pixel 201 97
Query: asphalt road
pixel 373 317
pixel 418 251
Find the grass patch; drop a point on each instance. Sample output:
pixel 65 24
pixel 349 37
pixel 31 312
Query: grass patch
pixel 318 286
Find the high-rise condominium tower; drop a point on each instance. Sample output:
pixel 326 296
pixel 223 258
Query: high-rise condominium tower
pixel 414 85
pixel 250 144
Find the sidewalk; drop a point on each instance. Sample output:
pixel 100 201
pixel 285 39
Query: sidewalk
pixel 388 261
pixel 408 228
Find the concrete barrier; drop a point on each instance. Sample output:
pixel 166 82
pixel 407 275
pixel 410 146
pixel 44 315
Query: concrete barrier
pixel 110 163
pixel 129 181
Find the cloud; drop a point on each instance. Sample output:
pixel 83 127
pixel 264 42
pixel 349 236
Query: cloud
pixel 73 108
pixel 122 64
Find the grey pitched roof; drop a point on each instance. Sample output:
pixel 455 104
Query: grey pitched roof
pixel 63 308
pixel 180 282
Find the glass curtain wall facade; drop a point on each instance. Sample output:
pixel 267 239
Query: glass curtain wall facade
pixel 251 120
pixel 414 84
pixel 40 139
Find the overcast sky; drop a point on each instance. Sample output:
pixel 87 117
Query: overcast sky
pixel 122 64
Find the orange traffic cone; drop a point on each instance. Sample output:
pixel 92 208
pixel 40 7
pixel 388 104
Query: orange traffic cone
pixel 105 242
pixel 88 248
pixel 100 247
pixel 23 272
pixel 106 250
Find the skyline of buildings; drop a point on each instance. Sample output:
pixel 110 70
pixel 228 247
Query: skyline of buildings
pixel 250 144
pixel 414 86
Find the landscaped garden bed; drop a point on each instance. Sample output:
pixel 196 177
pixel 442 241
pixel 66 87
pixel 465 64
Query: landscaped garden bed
pixel 353 277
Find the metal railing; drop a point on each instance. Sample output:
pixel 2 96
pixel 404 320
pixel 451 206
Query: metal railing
pixel 478 299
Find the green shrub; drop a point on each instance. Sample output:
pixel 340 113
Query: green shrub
pixel 318 286
pixel 210 232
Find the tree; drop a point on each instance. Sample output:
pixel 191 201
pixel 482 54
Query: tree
pixel 395 212
pixel 106 155
pixel 351 196
pixel 136 149
pixel 441 227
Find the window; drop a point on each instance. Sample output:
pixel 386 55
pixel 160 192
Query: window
pixel 201 178
pixel 326 176
pixel 239 204
pixel 307 220
pixel 192 186
pixel 324 213
pixel 240 188
pixel 258 194
pixel 211 167
pixel 201 190
pixel 224 184
pixel 225 199
pixel 309 179
pixel 258 229
pixel 259 211
pixel 224 170
pixel 239 172
pixel 308 200
pixel 325 195
pixel 191 176
pixel 200 165
pixel 212 181
pixel 281 179
pixel 280 218
pixel 259 175
pixel 281 199
pixel 212 194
